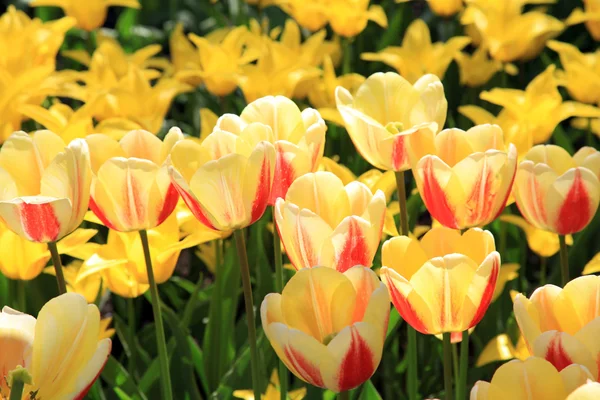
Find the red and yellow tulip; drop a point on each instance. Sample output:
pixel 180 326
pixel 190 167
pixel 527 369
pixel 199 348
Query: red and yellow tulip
pixel 322 222
pixel 329 327
pixel 444 282
pixel 557 192
pixel 464 178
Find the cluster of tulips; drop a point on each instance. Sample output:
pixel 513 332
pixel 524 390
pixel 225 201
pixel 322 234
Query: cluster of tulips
pixel 105 167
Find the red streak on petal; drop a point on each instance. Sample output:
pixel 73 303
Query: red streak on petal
pixel 131 197
pixel 357 365
pixel 508 192
pixel 455 337
pixel 355 250
pixel 101 216
pixel 303 246
pixel 405 308
pixel 283 178
pixel 556 353
pixel 194 206
pixel 82 394
pixel 533 198
pixel 483 204
pixel 575 212
pixel 399 155
pixel 263 191
pixel 39 222
pixel 169 204
pixel 435 198
pixel 307 371
pixel 363 294
pixel 486 299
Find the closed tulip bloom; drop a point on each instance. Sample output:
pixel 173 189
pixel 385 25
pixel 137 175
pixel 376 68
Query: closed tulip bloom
pixel 563 325
pixel 298 137
pixel 131 189
pixel 466 178
pixel 445 8
pixel 45 186
pixel 534 378
pixel 328 327
pixel 323 222
pixel 557 192
pixel 386 111
pixel 444 282
pixel 61 350
pixel 350 18
pixel 226 181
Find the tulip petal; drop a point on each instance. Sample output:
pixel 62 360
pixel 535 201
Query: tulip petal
pixel 142 144
pixel 404 255
pixel 578 303
pixel 102 147
pixel 433 176
pixel 258 179
pixel 353 242
pixel 483 285
pixel 291 162
pixel 574 376
pixel 562 350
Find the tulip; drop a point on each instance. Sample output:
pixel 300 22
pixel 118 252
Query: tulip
pixel 323 222
pixel 272 392
pixel 466 179
pixel 592 266
pixel 65 322
pixel 91 14
pixel 348 19
pixel 581 74
pixel 131 189
pixel 541 242
pixel 534 378
pixel 312 15
pixel 184 56
pixel 557 192
pixel 445 8
pixel 589 391
pixel 417 55
pixel 387 111
pixel 477 69
pixel 562 325
pixel 508 272
pixel 298 137
pixel 501 348
pixel 443 282
pixel 328 327
pixel 591 17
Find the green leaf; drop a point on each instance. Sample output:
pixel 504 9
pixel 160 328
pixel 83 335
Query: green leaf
pixel 369 392
pixel 117 377
pixel 126 21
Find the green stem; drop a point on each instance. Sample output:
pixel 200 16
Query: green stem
pixel 16 391
pixel 344 395
pixel 564 260
pixel 240 243
pixel 161 344
pixel 283 378
pixel 60 277
pixel 412 376
pixel 448 366
pixel 464 366
pixel 21 296
pixel 347 49
pixel 503 238
pixel 132 334
pixel 543 270
pixel 455 365
pixel 590 134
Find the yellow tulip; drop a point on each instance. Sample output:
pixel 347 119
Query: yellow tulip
pixel 557 192
pixel 89 287
pixel 89 14
pixel 508 33
pixel 477 69
pixel 533 378
pixel 348 18
pixel 226 181
pixel 61 349
pixel 25 260
pixel 593 265
pixel 581 74
pixel 298 137
pixel 561 325
pixel 541 242
pixel 322 93
pixel 501 348
pixel 508 272
pixel 591 17
pixel 272 392
pixel 387 111
pixel 45 185
pixel 311 14
pixel 340 170
pixel 589 391
pixel 105 331
pixel 444 282
pixel 418 56
pixel 131 189
pixel 328 327
pixel 322 222
pixel 445 8
pixel 464 178
pixel 184 56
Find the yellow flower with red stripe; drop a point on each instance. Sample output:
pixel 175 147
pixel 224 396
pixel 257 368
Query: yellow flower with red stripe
pixel 465 178
pixel 386 111
pixel 131 189
pixel 226 180
pixel 563 325
pixel 557 192
pixel 298 137
pixel 323 222
pixel 45 185
pixel 444 282
pixel 329 327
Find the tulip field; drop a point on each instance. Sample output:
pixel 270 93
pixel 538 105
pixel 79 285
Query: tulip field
pixel 299 199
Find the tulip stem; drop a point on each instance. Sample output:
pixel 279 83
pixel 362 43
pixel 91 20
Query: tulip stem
pixel 447 366
pixel 132 333
pixel 283 379
pixel 543 270
pixel 60 277
pixel 401 187
pixel 464 365
pixel 240 243
pixel 343 395
pixel 347 50
pixel 22 298
pixel 564 259
pixel 161 344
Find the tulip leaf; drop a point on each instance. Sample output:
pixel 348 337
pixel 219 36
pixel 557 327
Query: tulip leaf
pixel 4 293
pixel 117 377
pixel 369 392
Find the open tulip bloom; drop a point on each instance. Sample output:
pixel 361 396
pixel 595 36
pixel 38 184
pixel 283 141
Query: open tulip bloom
pixel 329 327
pixel 464 177
pixel 61 350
